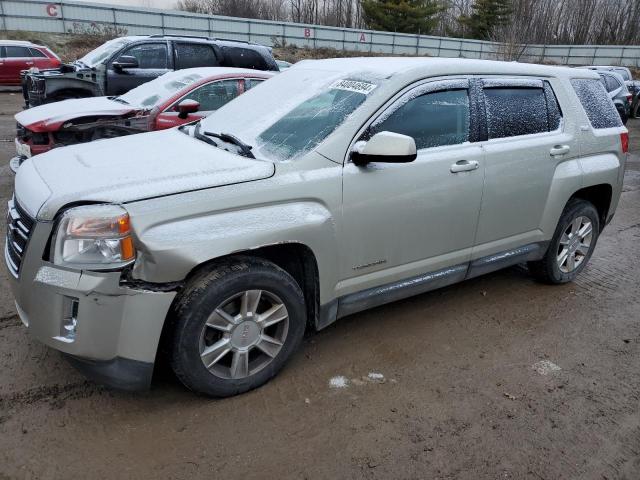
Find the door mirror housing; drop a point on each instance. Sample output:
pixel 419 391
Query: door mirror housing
pixel 385 147
pixel 185 107
pixel 124 62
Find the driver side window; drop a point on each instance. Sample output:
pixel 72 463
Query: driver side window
pixel 149 55
pixel 433 119
pixel 214 95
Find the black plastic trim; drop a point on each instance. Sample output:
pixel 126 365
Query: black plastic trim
pixel 118 373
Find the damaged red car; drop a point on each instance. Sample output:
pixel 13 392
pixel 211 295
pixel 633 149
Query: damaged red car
pixel 173 99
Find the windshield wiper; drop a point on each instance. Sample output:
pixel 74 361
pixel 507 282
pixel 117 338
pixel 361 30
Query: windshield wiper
pixel 200 136
pixel 245 150
pixel 119 100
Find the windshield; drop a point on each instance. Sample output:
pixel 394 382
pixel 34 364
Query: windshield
pixel 154 92
pixel 104 51
pixel 293 112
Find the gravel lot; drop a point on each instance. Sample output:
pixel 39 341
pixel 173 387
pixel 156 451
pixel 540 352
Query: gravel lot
pixel 469 387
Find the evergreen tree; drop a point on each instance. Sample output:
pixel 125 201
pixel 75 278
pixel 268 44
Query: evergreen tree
pixel 486 15
pixel 404 16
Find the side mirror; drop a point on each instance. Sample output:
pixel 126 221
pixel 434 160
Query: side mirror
pixel 386 147
pixel 185 107
pixel 124 62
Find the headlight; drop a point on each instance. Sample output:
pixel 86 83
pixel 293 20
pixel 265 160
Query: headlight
pixel 94 237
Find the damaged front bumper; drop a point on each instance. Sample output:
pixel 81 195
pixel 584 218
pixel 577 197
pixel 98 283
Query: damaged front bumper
pixel 110 331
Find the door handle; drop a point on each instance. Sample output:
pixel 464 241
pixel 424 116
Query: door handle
pixel 464 166
pixel 559 150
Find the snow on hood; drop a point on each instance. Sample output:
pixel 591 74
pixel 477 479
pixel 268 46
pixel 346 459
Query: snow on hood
pixel 50 116
pixel 131 168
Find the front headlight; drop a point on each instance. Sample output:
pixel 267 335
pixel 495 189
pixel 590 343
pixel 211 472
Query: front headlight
pixel 94 237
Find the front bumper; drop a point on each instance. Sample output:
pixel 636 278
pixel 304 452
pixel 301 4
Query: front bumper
pixel 118 327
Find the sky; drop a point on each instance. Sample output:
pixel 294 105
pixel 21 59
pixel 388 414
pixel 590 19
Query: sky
pixel 138 3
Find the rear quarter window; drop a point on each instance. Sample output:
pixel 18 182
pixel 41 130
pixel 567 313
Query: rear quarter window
pixel 596 103
pixel 243 58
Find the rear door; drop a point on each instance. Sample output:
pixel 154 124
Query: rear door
pixel 153 60
pixel 4 77
pixel 17 58
pixel 526 141
pixel 193 55
pixel 40 60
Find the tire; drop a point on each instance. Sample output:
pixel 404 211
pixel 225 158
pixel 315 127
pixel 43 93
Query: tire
pixel 551 268
pixel 215 298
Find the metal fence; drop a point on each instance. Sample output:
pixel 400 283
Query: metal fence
pixel 66 16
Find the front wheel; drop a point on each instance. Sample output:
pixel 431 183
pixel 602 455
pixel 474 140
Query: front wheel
pixel 236 326
pixel 571 246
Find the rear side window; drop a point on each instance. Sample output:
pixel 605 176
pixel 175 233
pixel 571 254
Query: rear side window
pixel 192 55
pixel 18 52
pixel 610 83
pixel 432 120
pixel 515 111
pixel 37 53
pixel 243 58
pixel 596 103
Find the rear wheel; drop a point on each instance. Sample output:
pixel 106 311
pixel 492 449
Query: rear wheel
pixel 571 246
pixel 236 326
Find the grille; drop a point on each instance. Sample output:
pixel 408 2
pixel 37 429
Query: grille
pixel 35 85
pixel 19 228
pixel 21 132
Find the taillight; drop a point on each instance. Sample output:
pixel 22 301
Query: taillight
pixel 624 140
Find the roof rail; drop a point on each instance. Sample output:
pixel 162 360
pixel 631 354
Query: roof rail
pixel 181 36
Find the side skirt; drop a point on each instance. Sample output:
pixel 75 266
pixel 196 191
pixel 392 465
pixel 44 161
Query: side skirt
pixel 391 292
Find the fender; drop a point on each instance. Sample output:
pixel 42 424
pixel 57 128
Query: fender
pixel 63 83
pixel 177 233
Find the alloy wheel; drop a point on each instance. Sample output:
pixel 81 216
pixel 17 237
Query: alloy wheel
pixel 575 244
pixel 244 334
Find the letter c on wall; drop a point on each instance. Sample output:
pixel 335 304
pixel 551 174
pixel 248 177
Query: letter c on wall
pixel 52 10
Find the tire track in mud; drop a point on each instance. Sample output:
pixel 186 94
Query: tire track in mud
pixel 55 395
pixel 10 321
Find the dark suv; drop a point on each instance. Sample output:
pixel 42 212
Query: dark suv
pixel 121 64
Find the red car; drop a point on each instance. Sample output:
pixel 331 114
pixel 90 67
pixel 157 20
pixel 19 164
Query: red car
pixel 173 99
pixel 16 56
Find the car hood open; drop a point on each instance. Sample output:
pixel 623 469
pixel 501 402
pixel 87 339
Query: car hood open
pixel 50 116
pixel 129 168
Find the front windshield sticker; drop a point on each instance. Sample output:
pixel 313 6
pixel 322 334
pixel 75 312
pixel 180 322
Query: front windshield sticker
pixel 353 86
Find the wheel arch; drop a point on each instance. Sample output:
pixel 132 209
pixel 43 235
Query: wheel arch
pixel 600 196
pixel 297 259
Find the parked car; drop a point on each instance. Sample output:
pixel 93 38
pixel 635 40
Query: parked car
pixel 282 65
pixel 334 187
pixel 124 63
pixel 173 99
pixel 16 56
pixel 624 72
pixel 634 89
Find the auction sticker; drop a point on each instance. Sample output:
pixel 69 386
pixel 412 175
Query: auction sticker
pixel 353 86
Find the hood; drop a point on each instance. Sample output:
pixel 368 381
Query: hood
pixel 51 116
pixel 129 168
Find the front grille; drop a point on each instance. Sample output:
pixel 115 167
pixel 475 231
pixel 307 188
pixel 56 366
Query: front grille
pixel 19 228
pixel 35 85
pixel 21 132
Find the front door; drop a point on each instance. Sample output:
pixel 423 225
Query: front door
pixel 153 61
pixel 404 220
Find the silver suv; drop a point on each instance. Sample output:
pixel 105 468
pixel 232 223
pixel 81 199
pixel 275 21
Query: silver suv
pixel 332 188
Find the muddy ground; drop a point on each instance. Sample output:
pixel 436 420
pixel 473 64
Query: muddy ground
pixel 460 398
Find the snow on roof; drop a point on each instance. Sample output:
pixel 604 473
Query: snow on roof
pixel 390 66
pixel 20 43
pixel 207 72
